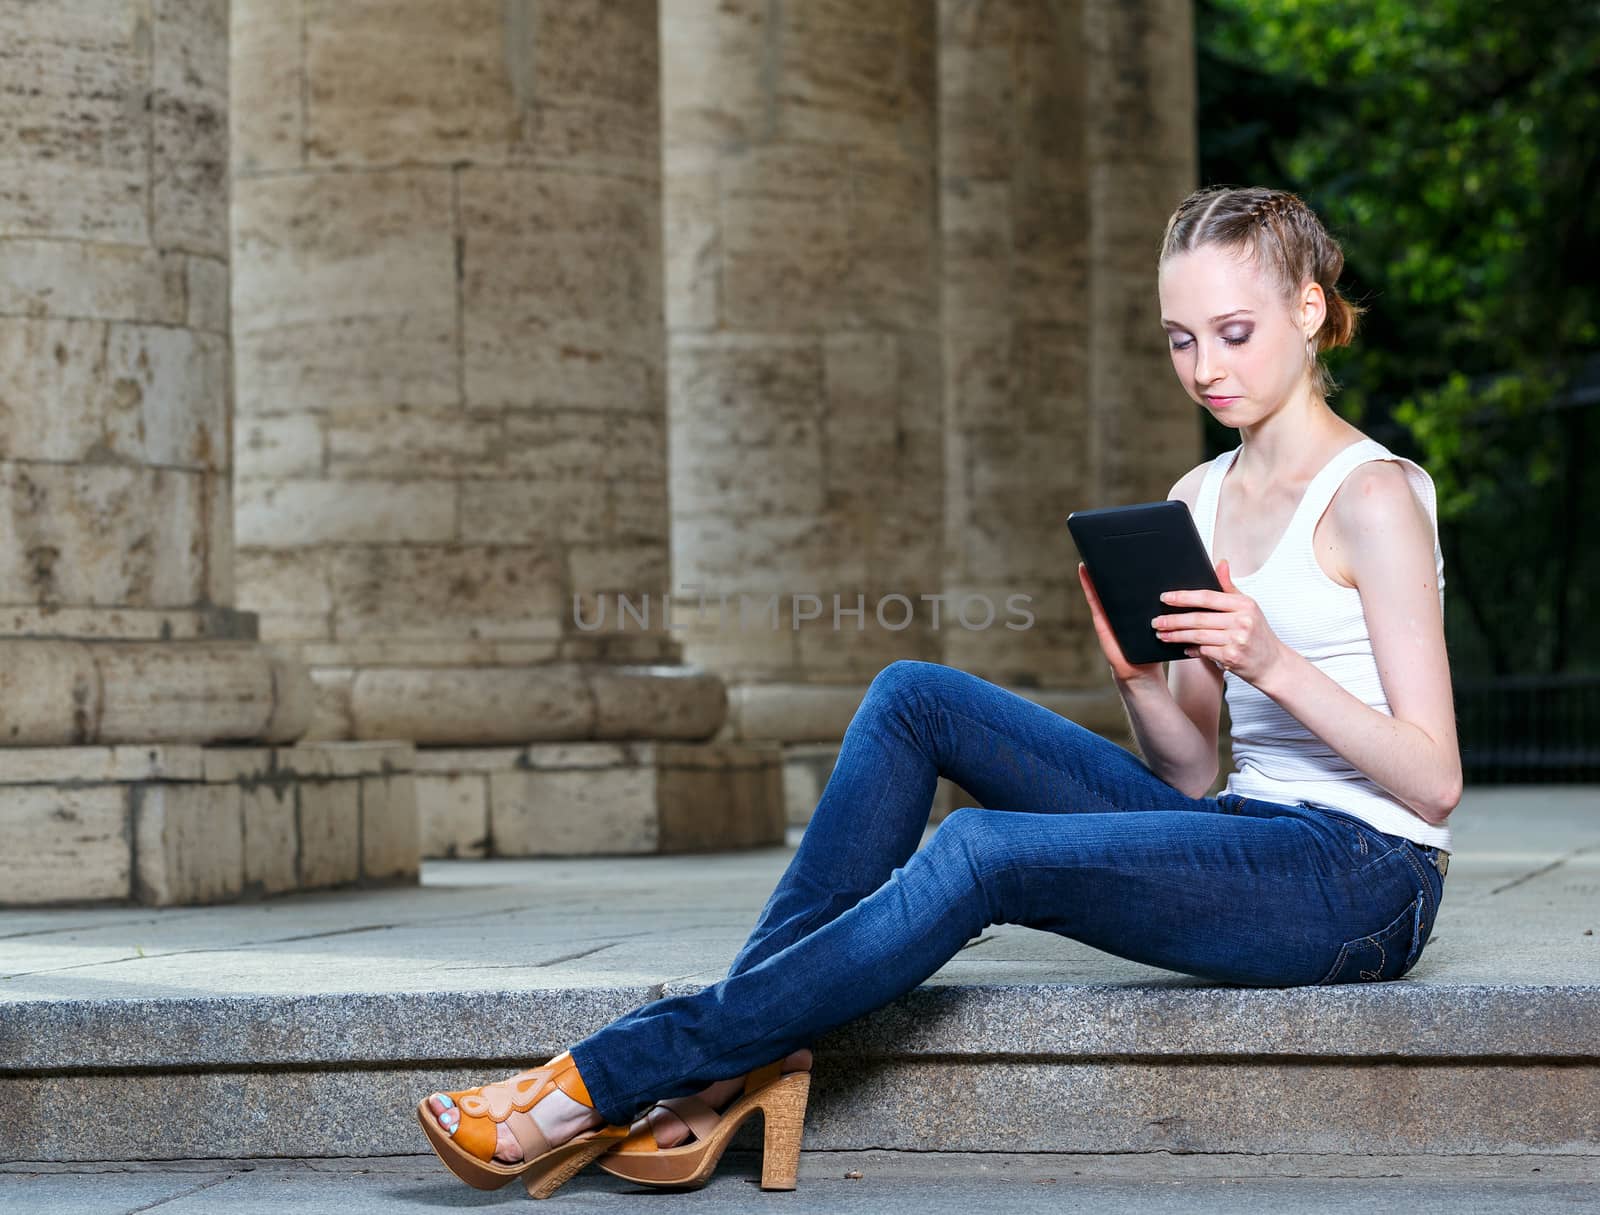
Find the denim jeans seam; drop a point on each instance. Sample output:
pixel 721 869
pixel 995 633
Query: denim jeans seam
pixel 1383 954
pixel 1047 760
pixel 1338 964
pixel 1422 878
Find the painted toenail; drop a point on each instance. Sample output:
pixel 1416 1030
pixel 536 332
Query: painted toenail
pixel 445 1097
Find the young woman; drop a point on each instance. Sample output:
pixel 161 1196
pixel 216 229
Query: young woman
pixel 1320 862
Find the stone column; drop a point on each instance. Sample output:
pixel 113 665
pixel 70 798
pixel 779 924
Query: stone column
pixel 1066 138
pixel 1014 223
pixel 117 623
pixel 452 423
pixel 802 319
pixel 1141 160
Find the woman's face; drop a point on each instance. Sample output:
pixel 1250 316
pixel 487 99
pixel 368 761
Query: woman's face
pixel 1238 351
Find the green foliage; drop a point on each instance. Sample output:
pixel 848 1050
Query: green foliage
pixel 1454 151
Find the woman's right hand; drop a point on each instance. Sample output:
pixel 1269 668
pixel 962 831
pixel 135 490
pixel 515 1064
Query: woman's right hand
pixel 1124 670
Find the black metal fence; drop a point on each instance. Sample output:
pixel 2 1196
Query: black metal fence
pixel 1528 728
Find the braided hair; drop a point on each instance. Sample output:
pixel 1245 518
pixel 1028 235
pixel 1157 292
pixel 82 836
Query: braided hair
pixel 1282 236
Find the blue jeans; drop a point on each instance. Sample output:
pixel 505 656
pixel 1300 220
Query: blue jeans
pixel 1075 835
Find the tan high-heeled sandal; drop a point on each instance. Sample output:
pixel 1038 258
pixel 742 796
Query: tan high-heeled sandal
pixel 463 1134
pixel 780 1097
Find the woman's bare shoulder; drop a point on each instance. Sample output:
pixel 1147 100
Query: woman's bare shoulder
pixel 1187 489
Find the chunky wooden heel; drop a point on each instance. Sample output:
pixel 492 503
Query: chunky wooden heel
pixel 779 1097
pixel 558 1167
pixel 783 1111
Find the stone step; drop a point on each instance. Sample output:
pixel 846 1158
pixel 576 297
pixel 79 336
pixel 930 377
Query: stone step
pixel 309 1025
pixel 1387 1068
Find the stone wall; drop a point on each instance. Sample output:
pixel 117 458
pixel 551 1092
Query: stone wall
pixel 448 331
pixel 912 321
pixel 452 416
pixel 1065 141
pixel 115 512
pixel 117 619
pixel 803 318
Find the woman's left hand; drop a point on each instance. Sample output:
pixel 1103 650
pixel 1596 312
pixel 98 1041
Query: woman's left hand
pixel 1233 633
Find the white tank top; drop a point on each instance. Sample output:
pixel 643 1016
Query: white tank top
pixel 1277 758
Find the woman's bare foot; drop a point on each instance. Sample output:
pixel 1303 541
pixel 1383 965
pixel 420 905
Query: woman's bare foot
pixel 671 1130
pixel 558 1116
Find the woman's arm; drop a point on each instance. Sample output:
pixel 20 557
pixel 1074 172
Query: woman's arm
pixel 1175 715
pixel 1172 745
pixel 1414 753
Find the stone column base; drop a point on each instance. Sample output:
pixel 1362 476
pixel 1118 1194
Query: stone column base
pixel 467 706
pixel 598 798
pixel 162 825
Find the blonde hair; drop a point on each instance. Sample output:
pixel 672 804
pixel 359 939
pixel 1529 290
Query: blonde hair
pixel 1285 240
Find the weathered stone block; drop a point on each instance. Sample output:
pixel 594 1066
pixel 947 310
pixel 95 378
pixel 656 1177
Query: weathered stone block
pixel 271 838
pixel 330 842
pixel 207 286
pixel 286 585
pixel 344 291
pixel 664 702
pixel 301 511
pixel 1140 71
pixel 74 391
pixel 96 765
pixel 188 103
pixel 639 510
pixel 787 248
pixel 280 445
pixel 190 693
pixel 266 44
pixel 92 282
pixel 763 556
pixel 463 706
pixel 593 51
pixel 736 806
pixel 101 535
pixel 559 443
pixel 465 592
pixel 453 812
pixel 390 846
pixel 535 512
pixel 714 84
pixel 74 148
pixel 417 80
pixel 692 224
pixel 332 715
pixel 608 570
pixel 399 441
pixel 560 290
pixel 894 270
pixel 856 75
pixel 555 812
pixel 63 843
pixel 977 115
pixel 188 843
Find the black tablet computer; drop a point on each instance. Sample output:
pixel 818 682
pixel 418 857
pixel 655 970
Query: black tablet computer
pixel 1134 554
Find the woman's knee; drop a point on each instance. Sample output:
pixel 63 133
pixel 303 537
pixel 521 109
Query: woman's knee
pixel 969 846
pixel 913 681
pixel 903 673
